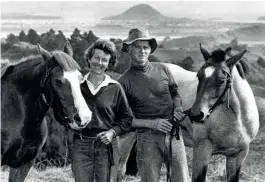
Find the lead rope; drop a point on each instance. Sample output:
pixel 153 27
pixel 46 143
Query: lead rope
pixel 229 88
pixel 228 97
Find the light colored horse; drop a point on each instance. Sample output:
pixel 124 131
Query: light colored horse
pixel 226 131
pixel 226 103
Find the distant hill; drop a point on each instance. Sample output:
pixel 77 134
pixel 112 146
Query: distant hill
pixel 190 42
pixel 215 19
pixel 250 33
pixel 139 12
pixel 20 16
pixel 261 18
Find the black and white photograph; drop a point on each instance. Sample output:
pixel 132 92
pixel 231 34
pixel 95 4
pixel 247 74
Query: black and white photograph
pixel 132 91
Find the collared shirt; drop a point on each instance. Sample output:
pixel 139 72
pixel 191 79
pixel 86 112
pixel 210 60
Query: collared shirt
pixel 150 91
pixel 109 106
pixel 105 83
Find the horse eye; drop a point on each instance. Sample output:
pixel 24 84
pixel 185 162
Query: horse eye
pixel 222 82
pixel 59 82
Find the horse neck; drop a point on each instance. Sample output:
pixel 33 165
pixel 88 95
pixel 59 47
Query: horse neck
pixel 244 104
pixel 28 75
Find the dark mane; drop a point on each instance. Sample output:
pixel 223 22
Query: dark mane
pixel 243 68
pixel 26 62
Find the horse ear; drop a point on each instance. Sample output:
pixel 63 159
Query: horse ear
pixel 68 49
pixel 234 59
pixel 45 54
pixel 228 51
pixel 205 53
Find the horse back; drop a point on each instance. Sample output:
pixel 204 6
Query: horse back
pixel 6 69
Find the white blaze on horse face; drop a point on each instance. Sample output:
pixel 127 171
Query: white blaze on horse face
pixel 209 71
pixel 84 112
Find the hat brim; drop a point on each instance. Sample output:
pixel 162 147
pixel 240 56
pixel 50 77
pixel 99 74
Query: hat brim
pixel 152 41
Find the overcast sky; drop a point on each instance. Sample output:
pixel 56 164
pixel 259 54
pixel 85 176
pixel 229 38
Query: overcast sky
pixel 234 10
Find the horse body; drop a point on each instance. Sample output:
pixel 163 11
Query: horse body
pixel 226 103
pixel 22 131
pixel 28 90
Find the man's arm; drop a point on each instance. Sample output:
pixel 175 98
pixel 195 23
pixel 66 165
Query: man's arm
pixel 177 101
pixel 162 125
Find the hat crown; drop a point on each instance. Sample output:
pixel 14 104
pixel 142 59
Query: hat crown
pixel 137 33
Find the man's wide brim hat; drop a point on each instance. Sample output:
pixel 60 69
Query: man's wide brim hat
pixel 139 34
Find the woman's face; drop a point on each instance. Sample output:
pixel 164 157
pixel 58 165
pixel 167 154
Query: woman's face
pixel 99 62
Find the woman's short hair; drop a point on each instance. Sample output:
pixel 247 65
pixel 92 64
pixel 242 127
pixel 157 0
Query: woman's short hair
pixel 106 46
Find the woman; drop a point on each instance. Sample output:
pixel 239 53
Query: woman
pixel 92 149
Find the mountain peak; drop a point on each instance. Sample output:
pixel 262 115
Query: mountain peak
pixel 139 12
pixel 143 9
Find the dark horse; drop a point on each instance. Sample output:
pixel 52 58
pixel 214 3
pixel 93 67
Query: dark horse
pixel 28 90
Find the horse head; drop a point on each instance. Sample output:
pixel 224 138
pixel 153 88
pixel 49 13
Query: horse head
pixel 215 78
pixel 61 88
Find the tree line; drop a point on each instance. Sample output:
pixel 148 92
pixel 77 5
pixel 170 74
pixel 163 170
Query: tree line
pixel 52 40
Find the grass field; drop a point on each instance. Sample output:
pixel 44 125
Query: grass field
pixel 253 171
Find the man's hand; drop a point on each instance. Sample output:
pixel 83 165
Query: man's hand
pixel 178 113
pixel 161 125
pixel 106 136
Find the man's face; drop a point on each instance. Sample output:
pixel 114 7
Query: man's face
pixel 139 52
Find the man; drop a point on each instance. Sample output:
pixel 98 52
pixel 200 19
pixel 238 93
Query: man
pixel 153 97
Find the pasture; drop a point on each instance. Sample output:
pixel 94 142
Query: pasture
pixel 253 169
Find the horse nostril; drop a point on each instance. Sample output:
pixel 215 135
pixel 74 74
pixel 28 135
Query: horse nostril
pixel 201 115
pixel 77 119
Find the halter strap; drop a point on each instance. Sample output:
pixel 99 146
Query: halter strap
pixel 42 85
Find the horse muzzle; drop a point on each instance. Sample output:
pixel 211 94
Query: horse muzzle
pixel 198 117
pixel 79 122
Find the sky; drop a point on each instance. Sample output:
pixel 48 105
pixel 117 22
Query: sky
pixel 95 10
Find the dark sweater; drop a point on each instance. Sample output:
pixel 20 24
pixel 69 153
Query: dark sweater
pixel 110 109
pixel 151 91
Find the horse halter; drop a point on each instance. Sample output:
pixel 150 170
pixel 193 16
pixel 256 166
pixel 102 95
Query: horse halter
pixel 226 90
pixel 62 115
pixel 42 85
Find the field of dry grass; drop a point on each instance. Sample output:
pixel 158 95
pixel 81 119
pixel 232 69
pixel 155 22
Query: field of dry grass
pixel 253 171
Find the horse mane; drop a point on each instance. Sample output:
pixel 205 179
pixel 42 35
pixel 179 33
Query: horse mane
pixel 243 68
pixel 7 66
pixel 63 59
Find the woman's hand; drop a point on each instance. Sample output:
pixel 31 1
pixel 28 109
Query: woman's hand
pixel 106 136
